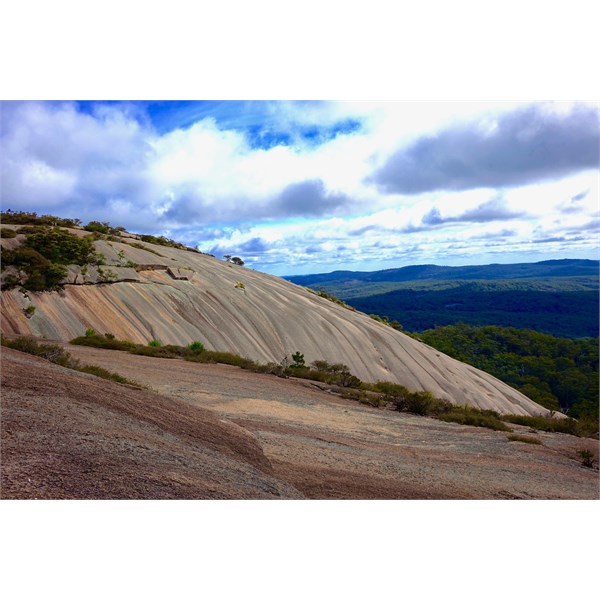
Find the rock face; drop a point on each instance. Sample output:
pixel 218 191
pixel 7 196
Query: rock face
pixel 177 296
pixel 70 435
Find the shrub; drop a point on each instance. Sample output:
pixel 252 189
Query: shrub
pixel 98 227
pixel 29 310
pixel 161 241
pixel 523 438
pixel 270 368
pixel 298 361
pixel 40 273
pixel 8 233
pixel 391 391
pixel 239 285
pixel 196 346
pixel 100 341
pixel 100 372
pixel 587 458
pixel 323 294
pixel 27 229
pixel 545 423
pixel 62 247
pixel 154 343
pixel 90 332
pixel 22 217
pixel 52 352
pixel 418 403
pixel 154 351
pixel 465 415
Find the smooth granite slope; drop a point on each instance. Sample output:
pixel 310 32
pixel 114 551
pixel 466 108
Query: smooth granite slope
pixel 180 296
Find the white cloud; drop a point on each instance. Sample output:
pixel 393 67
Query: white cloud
pixel 304 201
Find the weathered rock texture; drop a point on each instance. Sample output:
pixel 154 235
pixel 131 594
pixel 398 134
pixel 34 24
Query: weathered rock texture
pixel 65 434
pixel 176 297
pixel 216 431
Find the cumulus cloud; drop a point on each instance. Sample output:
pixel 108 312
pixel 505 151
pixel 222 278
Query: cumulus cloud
pixel 110 164
pixel 309 198
pixel 307 201
pixel 491 210
pixel 530 144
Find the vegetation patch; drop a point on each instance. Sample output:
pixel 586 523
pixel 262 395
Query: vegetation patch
pixel 540 423
pixel 587 458
pixel 52 352
pixel 523 438
pixel 554 372
pixel 59 356
pixel 31 218
pixel 106 341
pixel 466 415
pixel 44 255
pixel 323 294
pixel 104 374
pixel 162 241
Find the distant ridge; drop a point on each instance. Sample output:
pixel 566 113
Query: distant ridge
pixel 558 297
pixel 548 268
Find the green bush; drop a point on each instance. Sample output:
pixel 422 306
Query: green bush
pixel 523 438
pixel 545 423
pixel 104 374
pixel 471 416
pixel 161 241
pixel 7 233
pixel 22 218
pixel 98 227
pixel 43 257
pixel 159 351
pixel 196 346
pixel 58 355
pixel 61 246
pixel 52 352
pixel 154 343
pixel 103 341
pixel 40 273
pixel 298 359
pixel 323 294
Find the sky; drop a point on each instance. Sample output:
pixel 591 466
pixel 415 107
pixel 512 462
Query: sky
pixel 313 186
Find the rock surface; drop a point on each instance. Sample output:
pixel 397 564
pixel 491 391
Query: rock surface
pixel 265 319
pixel 215 431
pixel 69 435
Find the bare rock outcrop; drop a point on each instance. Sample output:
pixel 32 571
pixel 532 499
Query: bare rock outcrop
pixel 189 296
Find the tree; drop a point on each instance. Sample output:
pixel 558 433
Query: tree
pixel 298 359
pixel 236 260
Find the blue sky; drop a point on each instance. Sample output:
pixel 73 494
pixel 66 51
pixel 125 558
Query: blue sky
pixel 309 186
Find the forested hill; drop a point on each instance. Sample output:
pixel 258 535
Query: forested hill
pixel 558 297
pixel 557 373
pixel 548 268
